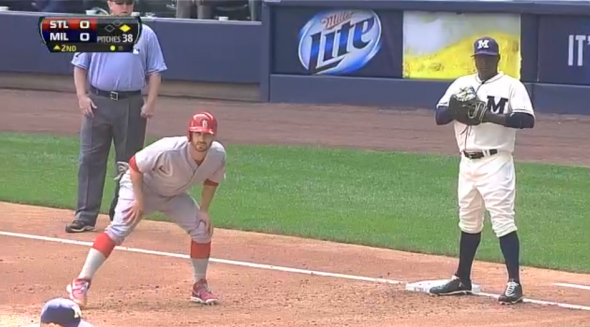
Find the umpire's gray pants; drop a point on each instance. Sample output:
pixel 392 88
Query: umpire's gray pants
pixel 116 121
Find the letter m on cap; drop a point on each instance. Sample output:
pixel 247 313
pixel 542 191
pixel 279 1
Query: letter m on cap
pixel 483 44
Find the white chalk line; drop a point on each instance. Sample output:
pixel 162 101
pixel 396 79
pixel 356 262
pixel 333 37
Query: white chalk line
pixel 224 261
pixel 581 287
pixel 271 267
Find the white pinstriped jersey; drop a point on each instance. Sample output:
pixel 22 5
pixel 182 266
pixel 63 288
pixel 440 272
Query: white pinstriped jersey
pixel 503 94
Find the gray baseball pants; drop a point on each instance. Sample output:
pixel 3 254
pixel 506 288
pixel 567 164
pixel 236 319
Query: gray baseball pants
pixel 114 121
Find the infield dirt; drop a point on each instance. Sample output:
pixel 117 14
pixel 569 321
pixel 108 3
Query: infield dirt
pixel 144 290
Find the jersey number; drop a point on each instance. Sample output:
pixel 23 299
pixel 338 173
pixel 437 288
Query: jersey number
pixel 496 107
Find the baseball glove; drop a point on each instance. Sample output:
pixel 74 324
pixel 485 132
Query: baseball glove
pixel 467 108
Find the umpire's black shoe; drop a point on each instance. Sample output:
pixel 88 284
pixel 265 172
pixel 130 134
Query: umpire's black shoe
pixel 79 226
pixel 454 287
pixel 512 294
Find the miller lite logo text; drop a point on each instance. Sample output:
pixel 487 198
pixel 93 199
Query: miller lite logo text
pixel 340 41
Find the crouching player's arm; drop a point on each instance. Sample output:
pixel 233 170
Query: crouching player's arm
pixel 207 195
pixel 143 161
pixel 136 210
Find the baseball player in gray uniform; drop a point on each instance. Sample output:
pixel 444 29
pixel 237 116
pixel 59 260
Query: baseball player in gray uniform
pixel 158 178
pixel 109 88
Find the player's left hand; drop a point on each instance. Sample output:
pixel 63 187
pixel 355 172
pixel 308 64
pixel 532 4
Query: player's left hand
pixel 148 110
pixel 204 217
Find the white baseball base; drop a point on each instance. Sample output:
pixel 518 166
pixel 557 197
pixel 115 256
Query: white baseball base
pixel 426 285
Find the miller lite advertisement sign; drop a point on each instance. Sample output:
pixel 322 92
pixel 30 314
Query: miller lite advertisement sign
pixel 339 42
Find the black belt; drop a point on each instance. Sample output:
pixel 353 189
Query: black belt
pixel 479 154
pixel 114 95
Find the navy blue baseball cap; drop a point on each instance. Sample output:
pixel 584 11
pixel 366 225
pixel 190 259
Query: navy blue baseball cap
pixel 63 312
pixel 486 46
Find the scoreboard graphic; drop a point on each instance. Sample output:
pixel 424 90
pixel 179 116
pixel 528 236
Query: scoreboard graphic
pixel 90 34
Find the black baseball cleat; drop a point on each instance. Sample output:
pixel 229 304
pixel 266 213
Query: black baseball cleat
pixel 79 226
pixel 454 287
pixel 512 294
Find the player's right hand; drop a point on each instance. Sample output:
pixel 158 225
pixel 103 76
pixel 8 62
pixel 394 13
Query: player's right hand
pixel 86 105
pixel 133 213
pixel 205 219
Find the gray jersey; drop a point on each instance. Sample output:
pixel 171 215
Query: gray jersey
pixel 168 169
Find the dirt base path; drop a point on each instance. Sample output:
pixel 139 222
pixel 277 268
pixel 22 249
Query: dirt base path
pixel 136 289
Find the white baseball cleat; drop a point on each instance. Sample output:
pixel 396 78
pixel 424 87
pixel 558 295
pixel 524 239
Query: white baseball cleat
pixel 78 290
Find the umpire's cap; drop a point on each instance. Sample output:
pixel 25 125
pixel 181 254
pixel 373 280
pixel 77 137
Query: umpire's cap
pixel 63 312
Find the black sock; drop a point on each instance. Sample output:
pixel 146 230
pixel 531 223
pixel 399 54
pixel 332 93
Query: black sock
pixel 467 249
pixel 510 246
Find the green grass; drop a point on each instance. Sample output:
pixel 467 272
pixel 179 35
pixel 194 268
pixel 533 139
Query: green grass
pixel 392 200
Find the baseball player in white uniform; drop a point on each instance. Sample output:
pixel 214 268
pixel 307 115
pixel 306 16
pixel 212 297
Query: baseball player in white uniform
pixel 497 105
pixel 157 178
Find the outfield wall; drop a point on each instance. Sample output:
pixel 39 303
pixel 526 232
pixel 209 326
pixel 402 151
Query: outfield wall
pixel 365 52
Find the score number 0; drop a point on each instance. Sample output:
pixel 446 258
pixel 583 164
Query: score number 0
pixel 84 25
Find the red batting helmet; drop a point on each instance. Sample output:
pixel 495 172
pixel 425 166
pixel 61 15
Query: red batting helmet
pixel 203 122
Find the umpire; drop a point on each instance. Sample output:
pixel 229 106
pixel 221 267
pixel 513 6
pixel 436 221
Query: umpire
pixel 109 89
